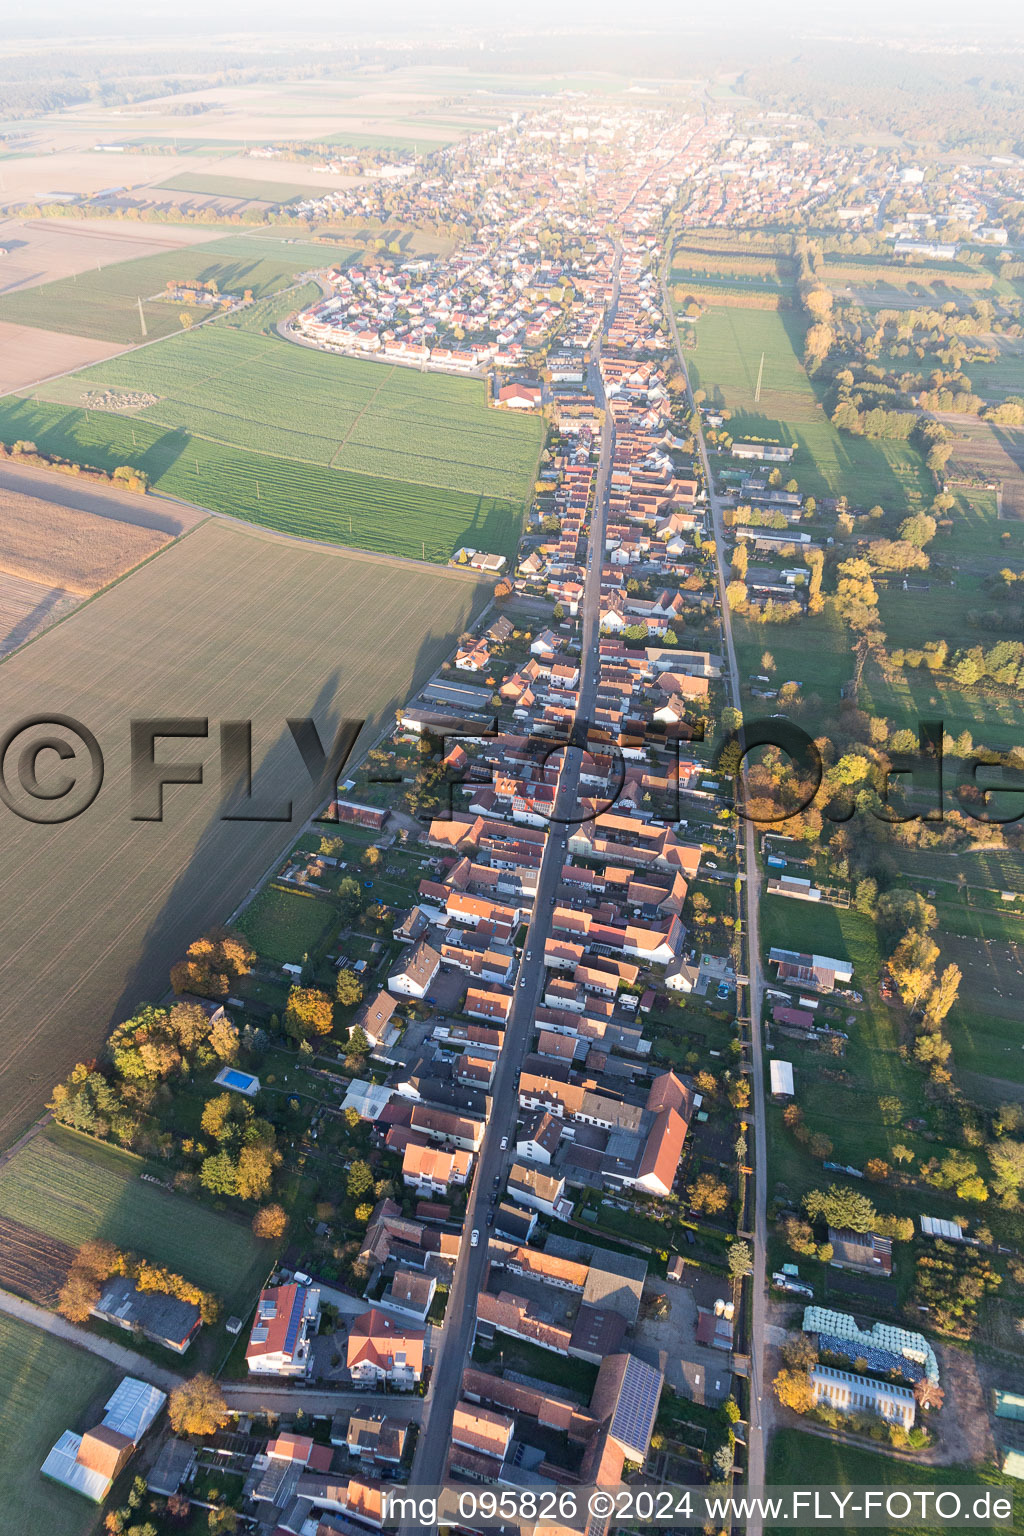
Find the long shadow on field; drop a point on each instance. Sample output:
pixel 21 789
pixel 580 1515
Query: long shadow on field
pixel 231 857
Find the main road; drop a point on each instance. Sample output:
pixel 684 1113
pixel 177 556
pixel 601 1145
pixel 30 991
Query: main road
pixel 752 898
pixel 431 1458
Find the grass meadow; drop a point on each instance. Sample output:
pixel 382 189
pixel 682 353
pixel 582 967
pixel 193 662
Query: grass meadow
pixel 809 1461
pixel 46 1386
pixel 304 442
pixel 75 1189
pixel 228 623
pixel 105 304
pixel 725 363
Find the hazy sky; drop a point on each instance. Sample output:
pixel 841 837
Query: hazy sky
pixel 189 18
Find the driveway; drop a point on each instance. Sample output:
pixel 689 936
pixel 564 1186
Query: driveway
pixel 704 1375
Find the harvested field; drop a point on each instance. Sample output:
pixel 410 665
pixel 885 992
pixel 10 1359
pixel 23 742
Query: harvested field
pixel 989 455
pixel 167 517
pixel 32 1264
pixel 227 623
pixel 64 546
pixel 28 355
pixel 43 250
pixel 26 608
pixel 41 179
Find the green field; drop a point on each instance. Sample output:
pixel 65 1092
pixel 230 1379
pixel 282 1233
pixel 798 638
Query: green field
pixel 227 623
pixel 325 447
pixel 74 1189
pixel 105 304
pixel 725 364
pixel 284 925
pixel 808 1461
pixel 46 1387
pixel 234 186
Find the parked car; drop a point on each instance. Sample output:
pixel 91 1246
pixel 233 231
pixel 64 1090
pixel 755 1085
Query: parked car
pixel 504 1143
pixel 474 1240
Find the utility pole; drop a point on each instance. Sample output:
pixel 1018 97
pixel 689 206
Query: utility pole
pixel 142 318
pixel 760 371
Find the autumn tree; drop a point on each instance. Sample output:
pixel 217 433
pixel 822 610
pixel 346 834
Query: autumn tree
pixel 799 1352
pixel 794 1390
pixel 197 1407
pixel 708 1193
pixel 270 1222
pixel 309 1012
pixel 1007 1160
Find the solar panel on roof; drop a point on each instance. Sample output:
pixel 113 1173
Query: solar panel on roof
pixel 634 1413
pixel 294 1322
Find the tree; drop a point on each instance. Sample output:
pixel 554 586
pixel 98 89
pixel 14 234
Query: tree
pixel 372 856
pixel 799 1352
pixel 309 1012
pixel 928 1394
pixel 254 1171
pixel 197 1407
pixel 270 1222
pixel 794 1390
pixel 224 1038
pixel 799 1236
pixel 358 1045
pixel 1007 1159
pixel 363 1212
pixel 767 662
pixel 185 319
pixel 78 1295
pixel 943 995
pixel 708 1194
pixel 741 1260
pixel 902 1153
pixel 219 1174
pixel 349 989
pixel 216 1119
pixel 360 1180
pixel 841 1208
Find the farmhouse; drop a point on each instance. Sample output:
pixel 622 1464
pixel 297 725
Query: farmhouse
pixel 159 1317
pixel 89 1463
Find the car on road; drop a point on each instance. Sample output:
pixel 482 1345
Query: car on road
pixel 504 1143
pixel 432 1001
pixel 490 1219
pixel 474 1239
pixel 529 954
pixel 497 1180
pixel 523 982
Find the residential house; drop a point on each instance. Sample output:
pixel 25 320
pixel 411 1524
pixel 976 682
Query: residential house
pixel 381 1349
pixel 286 1322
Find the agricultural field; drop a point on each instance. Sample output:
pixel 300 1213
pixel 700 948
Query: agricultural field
pixel 232 186
pixel 28 355
pixel 105 304
pixel 329 447
pixel 991 455
pixel 57 546
pixel 1005 375
pixel 72 1189
pixel 226 623
pixel 42 250
pixel 46 1386
pixel 26 608
pixel 32 1264
pixel 726 362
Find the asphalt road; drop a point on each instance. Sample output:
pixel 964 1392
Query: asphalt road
pixel 752 897
pixel 431 1457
